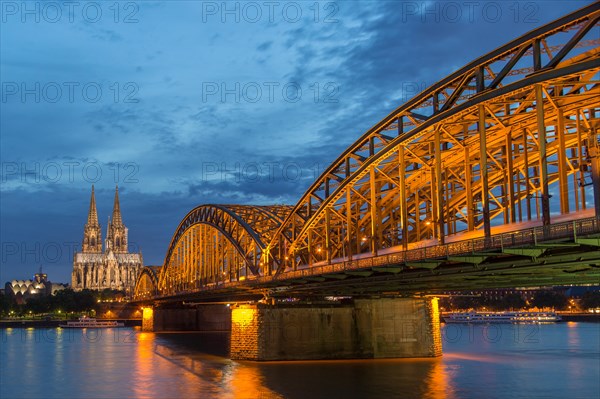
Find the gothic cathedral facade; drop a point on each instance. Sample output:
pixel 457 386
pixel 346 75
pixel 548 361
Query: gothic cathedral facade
pixel 114 267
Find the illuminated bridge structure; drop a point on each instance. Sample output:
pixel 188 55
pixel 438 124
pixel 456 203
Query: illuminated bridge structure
pixel 488 178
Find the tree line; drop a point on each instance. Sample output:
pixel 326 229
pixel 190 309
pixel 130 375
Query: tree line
pixel 541 299
pixel 64 301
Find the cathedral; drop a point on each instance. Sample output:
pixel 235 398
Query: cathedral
pixel 114 267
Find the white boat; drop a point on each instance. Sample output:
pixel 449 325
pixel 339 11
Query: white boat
pixel 88 322
pixel 502 317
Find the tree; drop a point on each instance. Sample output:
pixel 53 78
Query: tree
pixel 39 304
pixel 64 300
pixel 6 303
pixel 108 294
pixel 590 300
pixel 68 300
pixel 492 303
pixel 85 300
pixel 513 301
pixel 550 299
pixel 464 302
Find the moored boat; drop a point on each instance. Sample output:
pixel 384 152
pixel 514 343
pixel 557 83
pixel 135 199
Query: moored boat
pixel 88 322
pixel 502 317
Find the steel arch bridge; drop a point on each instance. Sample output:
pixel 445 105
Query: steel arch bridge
pixel 146 286
pixel 218 243
pixel 508 143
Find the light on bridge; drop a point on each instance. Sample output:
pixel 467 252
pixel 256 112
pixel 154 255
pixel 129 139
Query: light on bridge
pixel 147 319
pixel 243 316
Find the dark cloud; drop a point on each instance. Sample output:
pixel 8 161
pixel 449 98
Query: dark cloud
pixel 264 46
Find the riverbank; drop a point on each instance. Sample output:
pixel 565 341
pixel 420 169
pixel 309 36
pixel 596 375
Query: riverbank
pixel 589 317
pixel 23 323
pixel 565 316
pixel 55 323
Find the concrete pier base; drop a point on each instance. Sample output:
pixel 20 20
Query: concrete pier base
pixel 199 318
pixel 148 319
pixel 368 328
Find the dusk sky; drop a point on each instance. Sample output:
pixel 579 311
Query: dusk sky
pixel 183 103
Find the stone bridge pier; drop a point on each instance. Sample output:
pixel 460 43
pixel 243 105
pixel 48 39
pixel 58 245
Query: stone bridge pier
pixel 368 328
pixel 209 318
pixel 365 328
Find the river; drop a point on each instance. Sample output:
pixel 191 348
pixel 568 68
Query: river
pixel 483 361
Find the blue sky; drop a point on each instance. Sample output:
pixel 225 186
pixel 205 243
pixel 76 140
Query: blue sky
pixel 182 103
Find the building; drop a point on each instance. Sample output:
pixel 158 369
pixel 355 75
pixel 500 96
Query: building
pixel 22 290
pixel 114 267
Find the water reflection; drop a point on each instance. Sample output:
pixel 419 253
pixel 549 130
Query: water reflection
pixel 142 367
pixel 408 378
pixel 563 359
pixel 438 381
pixel 207 373
pixel 573 333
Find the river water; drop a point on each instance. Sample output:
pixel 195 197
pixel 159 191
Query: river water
pixel 485 361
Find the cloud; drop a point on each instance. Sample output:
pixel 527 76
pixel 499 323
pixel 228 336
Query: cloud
pixel 264 46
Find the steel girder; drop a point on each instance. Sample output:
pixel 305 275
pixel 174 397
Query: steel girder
pixel 511 139
pixel 508 138
pixel 146 286
pixel 218 243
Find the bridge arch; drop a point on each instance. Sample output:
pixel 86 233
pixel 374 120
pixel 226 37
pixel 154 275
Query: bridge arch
pixel 146 286
pixel 218 243
pixel 500 141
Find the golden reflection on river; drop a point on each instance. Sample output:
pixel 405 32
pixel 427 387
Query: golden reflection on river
pixel 216 376
pixel 246 382
pixel 550 361
pixel 438 381
pixel 197 374
pixel 143 365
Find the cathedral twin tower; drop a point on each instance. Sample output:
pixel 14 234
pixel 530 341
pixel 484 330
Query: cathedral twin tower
pixel 114 268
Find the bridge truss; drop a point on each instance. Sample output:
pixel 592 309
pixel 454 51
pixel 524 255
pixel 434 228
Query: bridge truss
pixel 215 244
pixel 508 142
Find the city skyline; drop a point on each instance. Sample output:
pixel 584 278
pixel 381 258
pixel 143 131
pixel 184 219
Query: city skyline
pixel 173 126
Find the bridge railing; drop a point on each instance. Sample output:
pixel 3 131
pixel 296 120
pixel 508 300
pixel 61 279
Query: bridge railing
pixel 515 239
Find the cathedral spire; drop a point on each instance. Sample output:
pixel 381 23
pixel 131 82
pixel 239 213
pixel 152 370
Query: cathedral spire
pixel 93 213
pixel 116 237
pixel 117 220
pixel 92 236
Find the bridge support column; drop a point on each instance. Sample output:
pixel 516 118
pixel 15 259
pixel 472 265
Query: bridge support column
pixel 197 318
pixel 368 328
pixel 148 319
